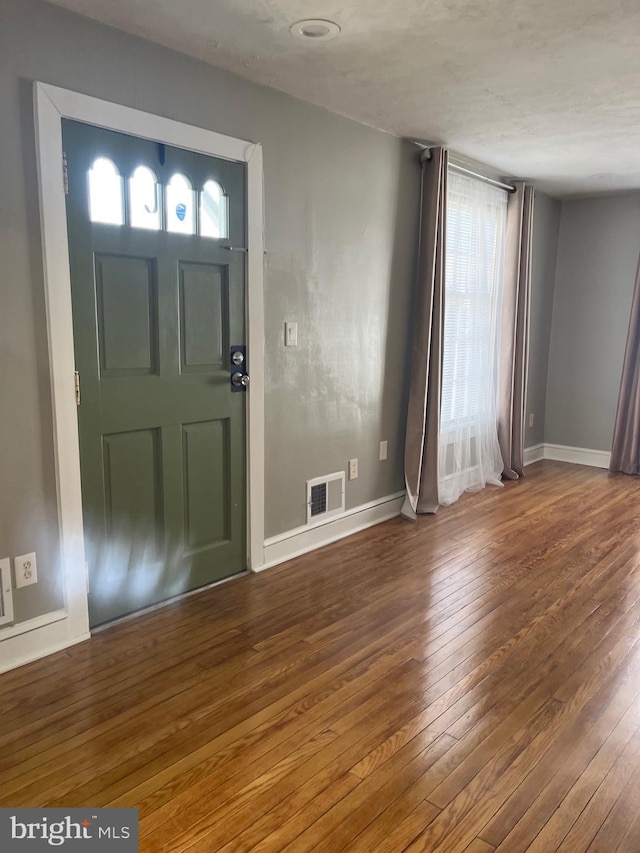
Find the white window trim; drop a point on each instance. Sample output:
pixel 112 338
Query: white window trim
pixel 51 105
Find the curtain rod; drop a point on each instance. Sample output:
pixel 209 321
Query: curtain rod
pixel 484 178
pixel 426 155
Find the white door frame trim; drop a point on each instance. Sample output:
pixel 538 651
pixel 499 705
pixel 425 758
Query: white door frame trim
pixel 51 105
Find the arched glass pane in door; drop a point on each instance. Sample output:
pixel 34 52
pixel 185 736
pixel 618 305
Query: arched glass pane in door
pixel 106 202
pixel 145 200
pixel 180 206
pixel 214 211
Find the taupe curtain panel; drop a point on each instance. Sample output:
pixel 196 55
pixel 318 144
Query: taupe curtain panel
pixel 514 336
pixel 625 452
pixel 423 416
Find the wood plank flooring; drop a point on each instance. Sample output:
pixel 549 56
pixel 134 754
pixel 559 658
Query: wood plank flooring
pixel 470 682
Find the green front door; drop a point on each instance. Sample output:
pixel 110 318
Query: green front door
pixel 158 284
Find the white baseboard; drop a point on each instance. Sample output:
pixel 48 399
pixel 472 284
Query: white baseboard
pixel 533 454
pixel 301 540
pixel 30 625
pixel 577 455
pixel 36 638
pixel 564 453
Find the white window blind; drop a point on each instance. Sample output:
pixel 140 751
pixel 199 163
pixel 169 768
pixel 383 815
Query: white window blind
pixel 476 226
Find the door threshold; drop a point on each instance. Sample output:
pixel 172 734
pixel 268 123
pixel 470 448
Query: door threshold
pixel 166 603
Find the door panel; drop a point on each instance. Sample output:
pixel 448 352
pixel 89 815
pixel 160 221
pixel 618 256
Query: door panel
pixel 206 486
pixel 203 307
pixel 132 479
pixel 127 315
pixel 155 313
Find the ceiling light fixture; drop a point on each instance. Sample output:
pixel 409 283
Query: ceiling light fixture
pixel 315 29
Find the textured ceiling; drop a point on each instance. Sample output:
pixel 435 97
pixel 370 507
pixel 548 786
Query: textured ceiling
pixel 542 89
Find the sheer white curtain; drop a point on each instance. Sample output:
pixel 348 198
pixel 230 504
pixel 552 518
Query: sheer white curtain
pixel 469 452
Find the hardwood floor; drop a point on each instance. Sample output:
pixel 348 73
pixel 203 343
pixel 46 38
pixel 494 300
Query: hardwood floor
pixel 470 682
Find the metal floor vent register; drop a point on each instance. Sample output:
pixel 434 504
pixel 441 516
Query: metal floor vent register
pixel 325 497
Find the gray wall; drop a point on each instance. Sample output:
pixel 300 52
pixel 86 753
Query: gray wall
pixel 546 224
pixel 597 260
pixel 341 212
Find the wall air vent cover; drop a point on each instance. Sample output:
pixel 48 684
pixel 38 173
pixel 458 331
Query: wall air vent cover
pixel 325 497
pixel 6 593
pixel 318 502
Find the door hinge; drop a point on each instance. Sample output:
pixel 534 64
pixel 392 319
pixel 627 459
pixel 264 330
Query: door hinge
pixel 65 173
pixel 76 383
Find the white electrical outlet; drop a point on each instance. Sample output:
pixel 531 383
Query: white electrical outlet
pixel 383 450
pixel 353 469
pixel 26 570
pixel 291 334
pixel 531 419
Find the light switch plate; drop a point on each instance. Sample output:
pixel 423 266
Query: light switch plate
pixel 291 334
pixel 353 469
pixel 383 450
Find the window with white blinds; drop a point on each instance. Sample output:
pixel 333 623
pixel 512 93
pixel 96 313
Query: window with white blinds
pixel 475 237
